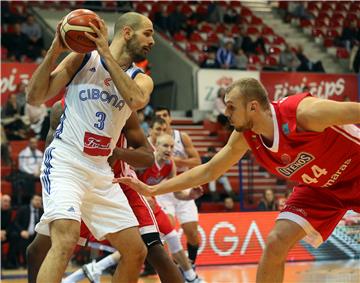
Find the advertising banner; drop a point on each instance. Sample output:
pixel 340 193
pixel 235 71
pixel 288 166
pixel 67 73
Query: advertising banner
pixel 14 73
pixel 340 87
pixel 209 82
pixel 233 238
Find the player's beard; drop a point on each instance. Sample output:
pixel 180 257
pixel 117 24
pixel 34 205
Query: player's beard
pixel 135 50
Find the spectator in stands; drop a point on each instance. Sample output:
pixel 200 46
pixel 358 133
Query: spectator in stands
pixel 225 56
pixel 349 36
pixel 41 56
pixel 143 123
pixel 14 120
pixel 282 200
pixel 21 95
pixel 215 13
pixel 34 35
pixel 6 213
pixel 297 10
pixel 7 17
pixel 288 60
pixel 229 205
pixel 16 43
pixel 24 225
pixel 305 64
pixel 39 120
pixel 161 19
pixel 231 16
pixel 268 203
pixel 241 60
pixel 23 181
pixel 5 149
pixel 177 21
pixel 219 108
pixel 222 179
pixel 210 60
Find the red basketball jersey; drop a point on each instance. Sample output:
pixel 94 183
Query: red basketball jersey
pixel 155 174
pixel 315 159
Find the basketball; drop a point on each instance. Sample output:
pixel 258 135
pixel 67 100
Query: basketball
pixel 73 27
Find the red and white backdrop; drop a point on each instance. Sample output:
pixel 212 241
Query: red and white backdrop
pixel 331 86
pixel 341 87
pixel 232 238
pixel 14 73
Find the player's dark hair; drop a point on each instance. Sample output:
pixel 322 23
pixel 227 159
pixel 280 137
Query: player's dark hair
pixel 158 120
pixel 161 108
pixel 251 89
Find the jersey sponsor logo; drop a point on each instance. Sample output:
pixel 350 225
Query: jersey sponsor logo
pixel 337 174
pixel 107 81
pixel 102 95
pixel 96 145
pixel 301 160
pixel 93 69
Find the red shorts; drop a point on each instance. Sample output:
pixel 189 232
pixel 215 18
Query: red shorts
pixel 162 220
pixel 319 210
pixel 142 211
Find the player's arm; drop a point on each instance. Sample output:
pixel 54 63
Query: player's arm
pixel 136 93
pixel 193 155
pixel 55 114
pixel 46 82
pixel 315 114
pixel 142 155
pixel 217 166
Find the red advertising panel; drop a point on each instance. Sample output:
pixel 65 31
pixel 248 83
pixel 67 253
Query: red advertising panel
pixel 232 238
pixel 14 73
pixel 339 87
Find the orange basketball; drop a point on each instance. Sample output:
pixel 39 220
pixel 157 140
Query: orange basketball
pixel 73 27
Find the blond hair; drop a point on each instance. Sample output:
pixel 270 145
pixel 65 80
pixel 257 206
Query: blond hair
pixel 251 89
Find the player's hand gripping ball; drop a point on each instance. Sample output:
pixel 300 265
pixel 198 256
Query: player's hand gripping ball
pixel 73 28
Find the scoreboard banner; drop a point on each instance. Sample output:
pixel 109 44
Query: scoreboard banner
pixel 210 80
pixel 14 73
pixel 340 87
pixel 234 238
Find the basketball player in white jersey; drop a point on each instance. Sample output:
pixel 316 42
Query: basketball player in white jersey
pixel 103 88
pixel 185 157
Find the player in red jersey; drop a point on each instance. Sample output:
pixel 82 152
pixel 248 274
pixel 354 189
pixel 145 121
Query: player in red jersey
pixel 162 169
pixel 302 138
pixel 142 157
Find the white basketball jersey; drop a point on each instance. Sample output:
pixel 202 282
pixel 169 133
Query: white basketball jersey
pixel 179 149
pixel 95 111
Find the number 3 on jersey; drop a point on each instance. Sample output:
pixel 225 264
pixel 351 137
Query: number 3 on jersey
pixel 101 121
pixel 317 171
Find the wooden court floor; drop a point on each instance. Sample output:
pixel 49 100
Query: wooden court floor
pixel 301 272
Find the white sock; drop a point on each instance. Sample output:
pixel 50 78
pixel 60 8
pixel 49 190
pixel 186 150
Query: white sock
pixel 190 274
pixel 74 277
pixel 105 263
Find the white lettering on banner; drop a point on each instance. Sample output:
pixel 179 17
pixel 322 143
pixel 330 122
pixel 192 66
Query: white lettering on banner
pixel 233 239
pixel 253 228
pixel 324 89
pixel 8 83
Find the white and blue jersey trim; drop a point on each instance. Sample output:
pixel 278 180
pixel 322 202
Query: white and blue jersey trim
pixel 45 178
pixel 60 127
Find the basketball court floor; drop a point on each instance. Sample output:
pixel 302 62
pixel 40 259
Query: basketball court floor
pixel 300 272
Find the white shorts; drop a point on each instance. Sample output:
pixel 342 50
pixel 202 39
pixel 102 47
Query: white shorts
pixel 74 187
pixel 184 210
